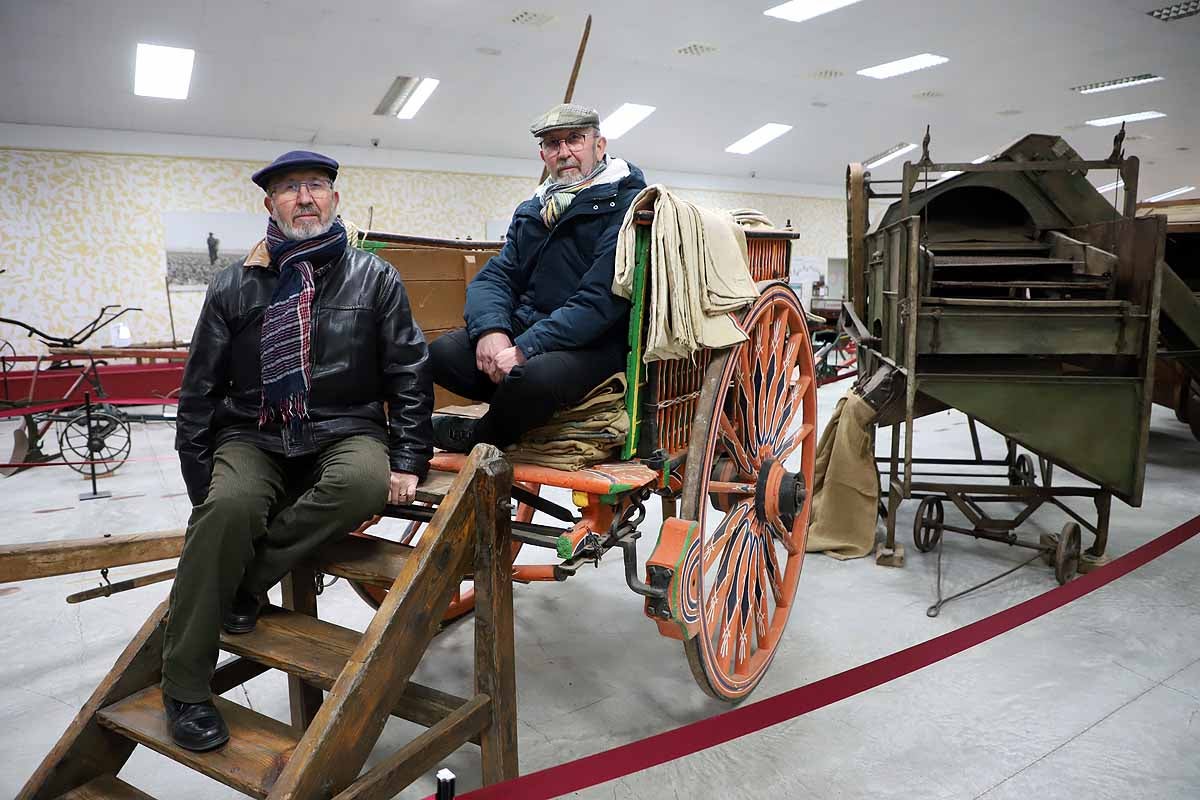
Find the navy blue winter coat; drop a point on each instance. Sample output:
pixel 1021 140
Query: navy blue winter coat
pixel 556 285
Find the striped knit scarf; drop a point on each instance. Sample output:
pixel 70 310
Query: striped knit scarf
pixel 286 346
pixel 559 196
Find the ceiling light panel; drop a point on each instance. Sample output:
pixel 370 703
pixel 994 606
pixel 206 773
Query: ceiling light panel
pixel 1176 11
pixel 905 65
pixel 801 10
pixel 1140 116
pixel 618 123
pixel 752 141
pixel 1108 187
pixel 163 71
pixel 887 155
pixel 1119 83
pixel 405 97
pixel 1170 194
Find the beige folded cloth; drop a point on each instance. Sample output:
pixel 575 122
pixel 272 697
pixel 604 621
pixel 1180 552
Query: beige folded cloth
pixel 750 218
pixel 699 273
pixel 845 484
pixel 584 434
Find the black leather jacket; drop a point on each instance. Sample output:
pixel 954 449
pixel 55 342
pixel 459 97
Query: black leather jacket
pixel 366 350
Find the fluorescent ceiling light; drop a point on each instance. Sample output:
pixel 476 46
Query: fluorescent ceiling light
pixel 417 98
pixel 889 154
pixel 910 64
pixel 1108 187
pixel 163 71
pixel 1138 117
pixel 618 123
pixel 1119 83
pixel 405 97
pixel 953 172
pixel 1170 194
pixel 800 10
pixel 752 141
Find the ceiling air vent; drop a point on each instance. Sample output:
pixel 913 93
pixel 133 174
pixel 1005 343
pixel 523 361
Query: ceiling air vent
pixel 696 49
pixel 534 19
pixel 826 74
pixel 1176 11
pixel 1008 112
pixel 1118 83
pixel 928 94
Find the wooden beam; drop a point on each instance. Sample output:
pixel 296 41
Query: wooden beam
pixel 422 754
pixel 495 648
pixel 23 562
pixel 300 595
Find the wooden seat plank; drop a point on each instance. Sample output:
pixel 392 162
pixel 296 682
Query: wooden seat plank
pixel 106 787
pixel 258 749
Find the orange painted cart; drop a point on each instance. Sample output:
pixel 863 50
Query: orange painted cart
pixel 728 444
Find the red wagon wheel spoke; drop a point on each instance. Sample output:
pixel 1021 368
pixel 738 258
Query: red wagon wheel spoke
pixel 757 411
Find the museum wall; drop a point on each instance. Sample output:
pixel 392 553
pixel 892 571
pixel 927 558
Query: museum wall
pixel 80 230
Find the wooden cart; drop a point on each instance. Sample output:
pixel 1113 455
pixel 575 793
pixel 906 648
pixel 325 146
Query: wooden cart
pixel 727 442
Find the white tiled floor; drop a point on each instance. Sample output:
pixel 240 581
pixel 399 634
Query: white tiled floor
pixel 1100 699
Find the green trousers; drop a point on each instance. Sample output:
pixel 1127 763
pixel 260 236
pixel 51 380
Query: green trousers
pixel 263 514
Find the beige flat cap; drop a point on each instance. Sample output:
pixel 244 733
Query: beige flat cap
pixel 565 115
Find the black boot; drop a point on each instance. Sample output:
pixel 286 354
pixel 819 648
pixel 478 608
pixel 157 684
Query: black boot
pixel 195 726
pixel 243 614
pixel 456 434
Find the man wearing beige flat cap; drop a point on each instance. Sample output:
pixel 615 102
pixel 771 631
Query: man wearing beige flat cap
pixel 543 325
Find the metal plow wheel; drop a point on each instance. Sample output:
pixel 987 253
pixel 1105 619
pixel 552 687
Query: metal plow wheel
pixel 757 412
pixel 463 602
pixel 107 441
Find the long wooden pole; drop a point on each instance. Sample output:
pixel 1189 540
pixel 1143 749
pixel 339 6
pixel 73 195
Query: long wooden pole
pixel 23 562
pixel 587 30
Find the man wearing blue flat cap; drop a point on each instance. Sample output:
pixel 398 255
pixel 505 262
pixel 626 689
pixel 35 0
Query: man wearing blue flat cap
pixel 305 408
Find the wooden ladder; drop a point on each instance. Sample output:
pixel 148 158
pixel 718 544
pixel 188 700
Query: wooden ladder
pixel 366 675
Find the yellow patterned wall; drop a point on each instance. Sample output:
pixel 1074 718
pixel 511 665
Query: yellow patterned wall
pixel 79 230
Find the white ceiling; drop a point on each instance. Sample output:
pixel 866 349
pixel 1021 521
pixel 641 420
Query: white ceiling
pixel 314 70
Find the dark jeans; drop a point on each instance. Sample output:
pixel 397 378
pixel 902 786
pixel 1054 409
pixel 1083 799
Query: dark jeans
pixel 530 394
pixel 263 514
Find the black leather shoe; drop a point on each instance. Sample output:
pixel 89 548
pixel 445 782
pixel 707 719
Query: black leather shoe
pixel 243 614
pixel 456 434
pixel 195 726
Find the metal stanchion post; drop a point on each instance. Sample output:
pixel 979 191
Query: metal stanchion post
pixel 91 431
pixel 445 785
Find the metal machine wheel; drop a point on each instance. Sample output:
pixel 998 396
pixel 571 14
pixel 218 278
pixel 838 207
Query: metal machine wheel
pixel 1021 473
pixel 1066 554
pixel 463 602
pixel 757 410
pixel 927 524
pixel 107 442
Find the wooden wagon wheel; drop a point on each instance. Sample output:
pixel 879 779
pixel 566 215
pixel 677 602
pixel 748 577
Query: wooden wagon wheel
pixel 108 441
pixel 1066 553
pixel 463 602
pixel 757 410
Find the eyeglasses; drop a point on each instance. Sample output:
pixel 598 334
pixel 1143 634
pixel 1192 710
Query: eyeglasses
pixel 574 142
pixel 317 187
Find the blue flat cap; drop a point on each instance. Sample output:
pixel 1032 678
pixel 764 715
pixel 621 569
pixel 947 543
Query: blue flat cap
pixel 295 159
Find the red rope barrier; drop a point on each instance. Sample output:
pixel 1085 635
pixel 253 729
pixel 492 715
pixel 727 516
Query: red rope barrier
pixel 688 739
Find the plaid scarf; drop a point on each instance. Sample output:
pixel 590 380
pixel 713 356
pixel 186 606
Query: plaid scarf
pixel 286 346
pixel 559 196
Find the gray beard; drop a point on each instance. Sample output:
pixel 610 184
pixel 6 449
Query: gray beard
pixel 299 234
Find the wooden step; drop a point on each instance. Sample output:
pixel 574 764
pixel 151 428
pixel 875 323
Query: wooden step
pixel 362 558
pixel 258 748
pixel 316 651
pixel 106 787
